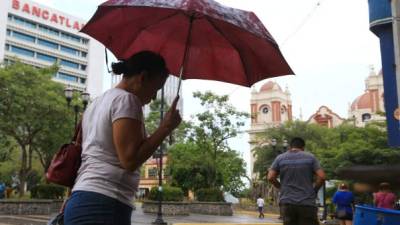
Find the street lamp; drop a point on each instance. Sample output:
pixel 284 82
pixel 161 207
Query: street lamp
pixel 85 99
pixel 159 220
pixel 285 145
pixel 273 143
pixel 69 92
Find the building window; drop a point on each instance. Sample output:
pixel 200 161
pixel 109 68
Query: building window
pixel 8 62
pixel 22 51
pixel 84 54
pixel 69 50
pixel 83 80
pixel 83 67
pixel 283 109
pixel 366 117
pixel 85 41
pixel 67 77
pixel 24 22
pixel 23 36
pixel 152 172
pixel 48 44
pixel 7 47
pixel 10 17
pixel 69 64
pixel 265 110
pixel 71 37
pixel 49 30
pixel 47 58
pixel 8 32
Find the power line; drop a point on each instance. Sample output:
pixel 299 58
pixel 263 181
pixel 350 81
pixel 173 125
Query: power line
pixel 303 22
pixel 301 25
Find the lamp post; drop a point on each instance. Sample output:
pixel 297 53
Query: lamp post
pixel 159 220
pixel 273 144
pixel 285 145
pixel 69 92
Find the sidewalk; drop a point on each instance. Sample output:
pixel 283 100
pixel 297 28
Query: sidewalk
pixel 138 217
pixel 239 217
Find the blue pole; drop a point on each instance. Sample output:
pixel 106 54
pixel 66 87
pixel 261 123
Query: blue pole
pixel 381 25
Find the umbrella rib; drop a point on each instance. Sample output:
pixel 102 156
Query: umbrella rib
pixel 152 24
pixel 235 47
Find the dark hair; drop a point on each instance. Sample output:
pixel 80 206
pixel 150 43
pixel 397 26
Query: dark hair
pixel 297 142
pixel 384 186
pixel 343 186
pixel 148 61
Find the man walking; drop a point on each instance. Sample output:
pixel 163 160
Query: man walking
pixel 260 204
pixel 296 170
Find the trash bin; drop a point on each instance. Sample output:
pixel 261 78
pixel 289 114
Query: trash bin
pixel 376 216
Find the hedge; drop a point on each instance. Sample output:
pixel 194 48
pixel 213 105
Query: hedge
pixel 174 194
pixel 209 195
pixel 47 191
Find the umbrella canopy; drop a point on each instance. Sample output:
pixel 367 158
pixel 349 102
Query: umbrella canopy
pixel 202 37
pixel 372 174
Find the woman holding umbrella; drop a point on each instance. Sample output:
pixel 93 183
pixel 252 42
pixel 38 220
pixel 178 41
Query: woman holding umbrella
pixel 115 143
pixel 237 49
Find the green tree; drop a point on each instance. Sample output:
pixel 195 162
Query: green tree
pixel 204 158
pixel 318 138
pixel 336 148
pixel 152 121
pixel 359 146
pixel 32 108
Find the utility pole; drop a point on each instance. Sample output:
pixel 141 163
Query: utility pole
pixel 396 40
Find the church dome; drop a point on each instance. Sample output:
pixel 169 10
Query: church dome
pixel 269 86
pixel 362 102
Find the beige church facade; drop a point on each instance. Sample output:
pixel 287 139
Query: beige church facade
pixel 370 105
pixel 271 106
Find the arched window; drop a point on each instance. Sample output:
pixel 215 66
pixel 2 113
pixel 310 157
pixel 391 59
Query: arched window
pixel 265 110
pixel 365 117
pixel 283 109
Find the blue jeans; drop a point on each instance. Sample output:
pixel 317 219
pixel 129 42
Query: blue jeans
pixel 84 207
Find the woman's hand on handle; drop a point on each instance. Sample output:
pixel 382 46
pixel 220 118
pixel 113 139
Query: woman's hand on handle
pixel 172 118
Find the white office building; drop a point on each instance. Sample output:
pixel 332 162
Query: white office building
pixel 170 91
pixel 41 36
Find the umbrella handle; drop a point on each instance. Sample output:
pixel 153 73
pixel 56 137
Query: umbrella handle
pixel 180 81
pixel 188 41
pixel 108 69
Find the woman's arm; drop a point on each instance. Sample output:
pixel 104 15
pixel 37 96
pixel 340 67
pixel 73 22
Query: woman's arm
pixel 334 199
pixel 132 149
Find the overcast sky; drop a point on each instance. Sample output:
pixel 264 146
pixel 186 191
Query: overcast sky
pixel 327 43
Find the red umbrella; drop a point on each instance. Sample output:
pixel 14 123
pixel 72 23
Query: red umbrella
pixel 199 39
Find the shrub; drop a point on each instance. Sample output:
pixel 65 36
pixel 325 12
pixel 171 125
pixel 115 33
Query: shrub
pixel 174 194
pixel 209 195
pixel 47 191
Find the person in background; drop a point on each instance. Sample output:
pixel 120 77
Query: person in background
pixel 260 205
pixel 344 201
pixel 384 198
pixel 2 190
pixel 296 170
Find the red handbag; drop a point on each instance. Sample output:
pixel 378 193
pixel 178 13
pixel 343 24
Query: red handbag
pixel 65 164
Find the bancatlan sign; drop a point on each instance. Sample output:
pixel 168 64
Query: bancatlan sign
pixel 46 15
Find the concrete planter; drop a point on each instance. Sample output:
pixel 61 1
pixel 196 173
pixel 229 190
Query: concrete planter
pixel 184 208
pixel 168 208
pixel 212 208
pixel 29 207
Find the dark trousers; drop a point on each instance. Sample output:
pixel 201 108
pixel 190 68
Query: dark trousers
pixel 260 211
pixel 90 208
pixel 299 214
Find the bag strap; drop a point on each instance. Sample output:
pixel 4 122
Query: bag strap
pixel 77 139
